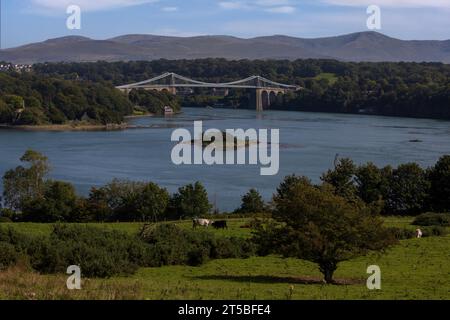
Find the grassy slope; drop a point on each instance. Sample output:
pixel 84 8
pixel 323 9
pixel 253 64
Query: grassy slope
pixel 416 269
pixel 331 77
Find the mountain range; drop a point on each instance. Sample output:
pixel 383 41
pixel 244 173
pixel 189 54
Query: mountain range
pixel 361 46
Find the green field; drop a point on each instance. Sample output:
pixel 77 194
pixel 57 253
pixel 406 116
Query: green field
pixel 331 77
pixel 235 226
pixel 415 269
pixel 40 229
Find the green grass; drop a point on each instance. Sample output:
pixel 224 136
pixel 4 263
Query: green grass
pixel 235 226
pixel 42 229
pixel 331 77
pixel 414 269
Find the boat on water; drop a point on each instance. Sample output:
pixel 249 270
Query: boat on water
pixel 168 110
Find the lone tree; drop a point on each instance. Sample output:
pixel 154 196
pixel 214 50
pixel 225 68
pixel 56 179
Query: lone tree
pixel 315 224
pixel 252 202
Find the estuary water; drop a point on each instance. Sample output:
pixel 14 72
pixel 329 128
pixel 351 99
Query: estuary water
pixel 309 143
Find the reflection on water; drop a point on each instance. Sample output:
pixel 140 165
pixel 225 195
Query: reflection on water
pixel 308 146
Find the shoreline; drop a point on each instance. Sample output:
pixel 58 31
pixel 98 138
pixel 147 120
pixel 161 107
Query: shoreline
pixel 67 127
pixel 81 127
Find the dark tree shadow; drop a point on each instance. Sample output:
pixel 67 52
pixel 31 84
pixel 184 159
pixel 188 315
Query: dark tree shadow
pixel 275 279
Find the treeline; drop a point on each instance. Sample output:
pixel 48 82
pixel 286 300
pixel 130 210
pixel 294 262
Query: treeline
pixel 31 99
pixel 406 190
pixel 29 196
pixel 153 101
pixel 392 89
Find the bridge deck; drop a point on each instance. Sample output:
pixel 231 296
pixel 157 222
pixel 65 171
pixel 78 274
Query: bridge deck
pixel 253 82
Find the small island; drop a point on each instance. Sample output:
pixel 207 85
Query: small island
pixel 228 141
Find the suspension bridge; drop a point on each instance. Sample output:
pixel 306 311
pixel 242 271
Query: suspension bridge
pixel 265 89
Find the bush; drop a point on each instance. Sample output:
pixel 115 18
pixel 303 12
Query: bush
pixel 402 234
pixel 99 253
pixel 8 214
pixel 227 248
pixel 5 220
pixel 20 241
pixel 171 245
pixel 8 255
pixel 435 231
pixel 433 219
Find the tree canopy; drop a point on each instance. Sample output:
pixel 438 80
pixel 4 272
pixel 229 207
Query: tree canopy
pixel 315 224
pixel 384 88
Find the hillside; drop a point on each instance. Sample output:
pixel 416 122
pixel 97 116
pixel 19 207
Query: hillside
pixel 362 46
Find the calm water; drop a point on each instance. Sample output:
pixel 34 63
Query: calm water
pixel 309 144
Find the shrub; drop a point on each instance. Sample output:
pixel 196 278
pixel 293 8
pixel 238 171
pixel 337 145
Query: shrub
pixel 433 219
pixel 8 255
pixel 171 245
pixel 99 253
pixel 227 248
pixel 5 220
pixel 8 213
pixel 402 234
pixel 20 241
pixel 434 231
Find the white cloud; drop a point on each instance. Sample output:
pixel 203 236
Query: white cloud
pixel 169 9
pixel 271 3
pixel 88 5
pixel 392 3
pixel 232 5
pixel 272 6
pixel 284 9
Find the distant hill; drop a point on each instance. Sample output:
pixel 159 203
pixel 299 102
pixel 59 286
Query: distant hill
pixel 362 46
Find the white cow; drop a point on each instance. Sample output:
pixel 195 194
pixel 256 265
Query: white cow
pixel 201 222
pixel 419 233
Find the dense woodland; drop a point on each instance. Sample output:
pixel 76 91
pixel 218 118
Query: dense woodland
pixel 392 89
pixel 32 99
pixel 84 92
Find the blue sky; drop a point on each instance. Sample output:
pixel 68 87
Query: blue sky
pixel 25 21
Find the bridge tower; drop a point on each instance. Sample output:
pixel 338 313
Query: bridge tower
pixel 259 100
pixel 259 95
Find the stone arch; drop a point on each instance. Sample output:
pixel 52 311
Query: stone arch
pixel 280 98
pixel 272 97
pixel 265 98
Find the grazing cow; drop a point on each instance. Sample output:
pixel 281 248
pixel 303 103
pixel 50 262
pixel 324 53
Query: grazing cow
pixel 220 224
pixel 201 223
pixel 419 233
